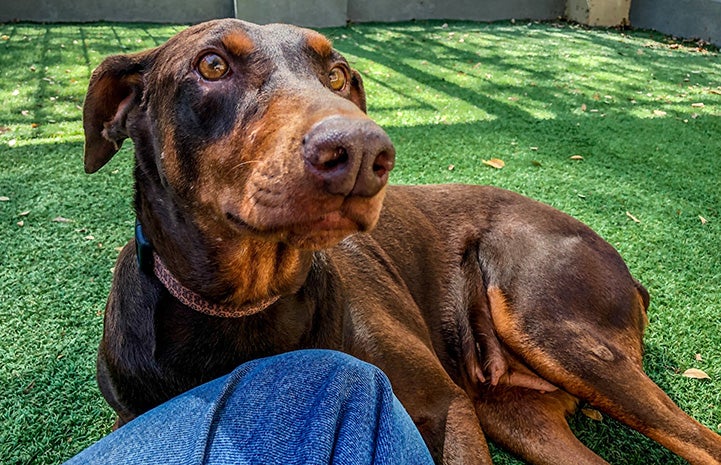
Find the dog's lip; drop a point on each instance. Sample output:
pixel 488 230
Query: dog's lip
pixel 331 221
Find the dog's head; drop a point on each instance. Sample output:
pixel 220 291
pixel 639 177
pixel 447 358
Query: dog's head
pixel 246 130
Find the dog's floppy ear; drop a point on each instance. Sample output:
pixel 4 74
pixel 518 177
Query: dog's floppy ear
pixel 115 88
pixel 357 92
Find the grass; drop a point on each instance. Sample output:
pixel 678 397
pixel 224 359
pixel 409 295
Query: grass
pixel 450 95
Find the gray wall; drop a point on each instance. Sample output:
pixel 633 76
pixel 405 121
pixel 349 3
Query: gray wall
pixel 337 12
pixel 164 11
pixel 475 10
pixel 699 19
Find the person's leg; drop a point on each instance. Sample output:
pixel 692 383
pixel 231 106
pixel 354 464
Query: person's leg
pixel 306 407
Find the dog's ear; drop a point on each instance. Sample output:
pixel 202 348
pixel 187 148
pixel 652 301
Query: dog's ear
pixel 115 88
pixel 357 93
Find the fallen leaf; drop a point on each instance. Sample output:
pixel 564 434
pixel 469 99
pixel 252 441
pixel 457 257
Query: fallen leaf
pixel 450 167
pixel 593 414
pixel 703 220
pixel 29 387
pixel 495 163
pixel 4 129
pixel 674 46
pixel 636 220
pixel 90 238
pixel 576 157
pixel 60 219
pixel 21 223
pixel 659 113
pixel 536 163
pixel 25 213
pixel 535 149
pixel 698 105
pixel 4 199
pixel 583 107
pixel 698 357
pixel 695 373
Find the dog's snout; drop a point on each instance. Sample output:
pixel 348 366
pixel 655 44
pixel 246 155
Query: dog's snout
pixel 350 156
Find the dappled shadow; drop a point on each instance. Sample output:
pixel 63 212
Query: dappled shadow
pixel 35 59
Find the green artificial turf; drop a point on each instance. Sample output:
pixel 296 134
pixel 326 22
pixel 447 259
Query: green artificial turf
pixel 642 110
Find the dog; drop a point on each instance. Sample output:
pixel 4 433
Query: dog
pixel 265 224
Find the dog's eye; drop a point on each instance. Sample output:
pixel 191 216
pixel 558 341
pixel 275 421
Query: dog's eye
pixel 337 78
pixel 212 67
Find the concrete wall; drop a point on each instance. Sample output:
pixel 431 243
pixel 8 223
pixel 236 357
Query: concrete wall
pixel 318 13
pixel 475 10
pixel 162 11
pixel 315 13
pixel 699 19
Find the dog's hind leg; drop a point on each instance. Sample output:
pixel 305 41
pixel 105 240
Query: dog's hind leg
pixel 533 425
pixel 597 356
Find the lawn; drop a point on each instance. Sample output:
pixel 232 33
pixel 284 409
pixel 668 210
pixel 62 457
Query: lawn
pixel 619 128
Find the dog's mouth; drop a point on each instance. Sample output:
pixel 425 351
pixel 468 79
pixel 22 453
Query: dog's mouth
pixel 318 232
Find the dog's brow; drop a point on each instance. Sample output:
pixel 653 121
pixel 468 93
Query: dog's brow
pixel 319 43
pixel 238 43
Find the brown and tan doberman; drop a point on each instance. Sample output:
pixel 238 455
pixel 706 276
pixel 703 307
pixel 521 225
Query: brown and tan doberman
pixel 265 225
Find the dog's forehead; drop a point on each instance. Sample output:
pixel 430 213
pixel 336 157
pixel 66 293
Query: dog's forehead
pixel 242 38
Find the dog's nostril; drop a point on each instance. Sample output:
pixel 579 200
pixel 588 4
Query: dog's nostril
pixel 383 164
pixel 339 157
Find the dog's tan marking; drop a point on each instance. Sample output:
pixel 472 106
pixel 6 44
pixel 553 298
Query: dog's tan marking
pixel 238 43
pixel 505 323
pixel 258 268
pixel 319 43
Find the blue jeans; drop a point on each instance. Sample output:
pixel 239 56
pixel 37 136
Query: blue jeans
pixel 305 407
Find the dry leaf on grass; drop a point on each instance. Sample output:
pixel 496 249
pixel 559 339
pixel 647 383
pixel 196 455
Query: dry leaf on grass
pixel 576 157
pixel 495 163
pixel 703 220
pixel 695 373
pixel 635 220
pixel 60 219
pixel 659 113
pixel 593 414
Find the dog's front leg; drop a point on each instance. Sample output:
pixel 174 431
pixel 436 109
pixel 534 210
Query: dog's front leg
pixel 399 344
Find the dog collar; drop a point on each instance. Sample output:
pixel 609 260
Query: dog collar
pixel 150 262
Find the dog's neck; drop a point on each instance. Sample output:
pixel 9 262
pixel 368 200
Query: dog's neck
pixel 253 285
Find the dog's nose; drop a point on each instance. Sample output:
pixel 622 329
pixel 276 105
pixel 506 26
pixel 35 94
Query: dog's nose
pixel 351 156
